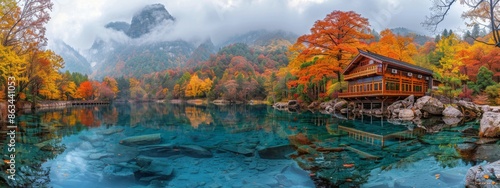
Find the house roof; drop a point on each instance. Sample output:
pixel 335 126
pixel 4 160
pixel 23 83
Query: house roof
pixel 388 60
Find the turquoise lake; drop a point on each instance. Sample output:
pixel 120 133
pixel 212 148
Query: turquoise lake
pixel 238 146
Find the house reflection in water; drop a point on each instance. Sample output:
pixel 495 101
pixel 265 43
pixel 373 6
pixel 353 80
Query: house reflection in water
pixel 376 134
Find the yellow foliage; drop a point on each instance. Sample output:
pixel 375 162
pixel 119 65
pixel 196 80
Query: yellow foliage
pixel 198 87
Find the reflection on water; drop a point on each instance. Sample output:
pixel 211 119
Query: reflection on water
pixel 238 146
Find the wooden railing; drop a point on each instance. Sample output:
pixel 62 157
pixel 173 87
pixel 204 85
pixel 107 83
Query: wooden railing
pixel 362 71
pixel 381 93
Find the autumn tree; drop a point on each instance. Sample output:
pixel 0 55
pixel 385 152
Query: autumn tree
pixel 47 65
pixel 198 87
pixel 484 12
pixel 22 38
pixel 136 91
pixel 85 90
pixel 333 41
pixel 112 85
pixel 395 46
pixel 448 69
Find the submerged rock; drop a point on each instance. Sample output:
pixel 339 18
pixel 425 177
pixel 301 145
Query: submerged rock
pixel 483 175
pixel 110 131
pixel 142 140
pixel 276 152
pixel 299 139
pixel 239 150
pixel 194 151
pixel 156 170
pixel 490 125
pixel 160 150
pixel 114 172
pixel 95 156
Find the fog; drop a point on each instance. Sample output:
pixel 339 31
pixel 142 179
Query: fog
pixel 79 22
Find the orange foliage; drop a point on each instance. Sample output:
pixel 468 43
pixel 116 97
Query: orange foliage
pixel 85 90
pixel 395 46
pixel 337 36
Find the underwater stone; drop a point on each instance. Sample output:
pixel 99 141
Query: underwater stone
pixel 195 151
pixel 142 140
pixel 276 152
pixel 239 150
pixel 157 170
pixel 96 156
pixel 110 131
pixel 299 139
pixel 86 146
pixel 92 138
pixel 160 150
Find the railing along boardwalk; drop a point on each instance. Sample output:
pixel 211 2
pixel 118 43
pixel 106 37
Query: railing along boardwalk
pixel 381 93
pixel 59 104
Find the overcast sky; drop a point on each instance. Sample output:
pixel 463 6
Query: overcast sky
pixel 79 22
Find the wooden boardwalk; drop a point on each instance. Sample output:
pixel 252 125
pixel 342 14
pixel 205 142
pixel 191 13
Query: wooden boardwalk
pixel 93 102
pixel 62 104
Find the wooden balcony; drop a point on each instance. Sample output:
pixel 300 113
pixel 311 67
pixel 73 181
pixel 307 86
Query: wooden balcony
pixel 363 71
pixel 380 93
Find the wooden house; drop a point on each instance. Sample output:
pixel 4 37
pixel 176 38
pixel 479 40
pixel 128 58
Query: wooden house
pixel 373 78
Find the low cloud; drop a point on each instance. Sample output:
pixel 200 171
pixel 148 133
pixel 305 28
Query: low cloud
pixel 79 22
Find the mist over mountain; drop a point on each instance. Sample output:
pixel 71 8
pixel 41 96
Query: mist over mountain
pixel 118 26
pixel 261 38
pixel 73 60
pixel 418 37
pixel 148 19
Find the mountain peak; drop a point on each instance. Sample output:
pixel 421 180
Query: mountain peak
pixel 147 19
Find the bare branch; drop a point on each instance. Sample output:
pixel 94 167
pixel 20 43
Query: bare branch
pixel 438 13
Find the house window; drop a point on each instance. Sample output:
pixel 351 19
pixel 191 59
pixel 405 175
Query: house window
pixel 393 86
pixel 418 88
pixel 375 87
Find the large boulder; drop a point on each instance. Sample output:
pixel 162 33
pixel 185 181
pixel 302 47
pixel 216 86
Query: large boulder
pixel 483 176
pixel 421 101
pixel 340 104
pixel 408 102
pixel 313 105
pixel 432 106
pixel 485 108
pixel 469 108
pixel 490 125
pixel 451 111
pixel 406 114
pixel 324 105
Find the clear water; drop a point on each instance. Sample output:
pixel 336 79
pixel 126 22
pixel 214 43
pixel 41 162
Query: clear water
pixel 236 146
